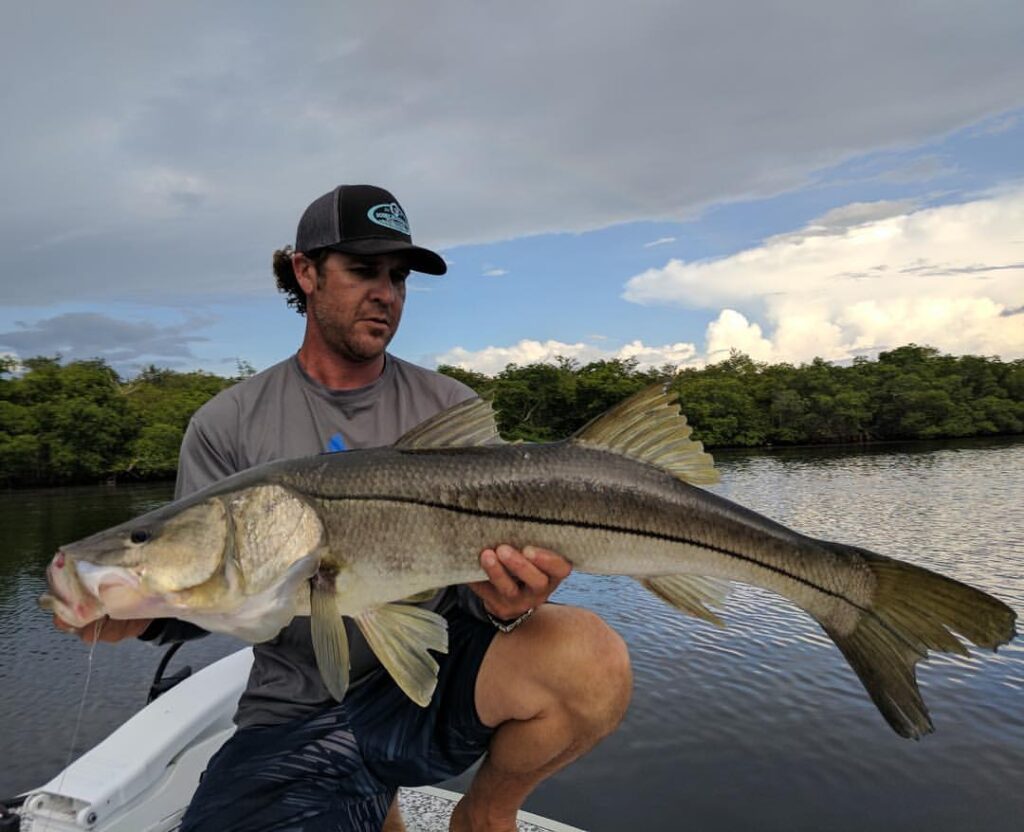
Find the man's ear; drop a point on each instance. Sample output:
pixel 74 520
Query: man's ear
pixel 305 272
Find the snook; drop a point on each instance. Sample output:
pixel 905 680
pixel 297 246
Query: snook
pixel 352 534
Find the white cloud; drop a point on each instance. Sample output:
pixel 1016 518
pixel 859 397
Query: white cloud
pixel 861 278
pixel 661 241
pixel 492 360
pixel 732 331
pixel 493 271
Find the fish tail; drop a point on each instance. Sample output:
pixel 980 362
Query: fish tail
pixel 912 611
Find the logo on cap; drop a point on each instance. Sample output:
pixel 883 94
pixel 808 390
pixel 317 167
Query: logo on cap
pixel 390 215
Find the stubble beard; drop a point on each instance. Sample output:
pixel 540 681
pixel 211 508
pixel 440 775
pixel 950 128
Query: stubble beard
pixel 346 343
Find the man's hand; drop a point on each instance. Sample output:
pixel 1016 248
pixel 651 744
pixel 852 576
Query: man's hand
pixel 518 581
pixel 110 630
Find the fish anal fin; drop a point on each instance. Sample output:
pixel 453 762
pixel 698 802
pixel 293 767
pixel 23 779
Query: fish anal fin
pixel 691 594
pixel 330 643
pixel 400 636
pixel 467 424
pixel 649 427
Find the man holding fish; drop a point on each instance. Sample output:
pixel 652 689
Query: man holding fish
pixel 531 686
pixel 390 536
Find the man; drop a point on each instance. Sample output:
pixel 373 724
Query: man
pixel 533 686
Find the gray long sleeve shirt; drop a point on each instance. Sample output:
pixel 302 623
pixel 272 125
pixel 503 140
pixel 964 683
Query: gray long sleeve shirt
pixel 282 413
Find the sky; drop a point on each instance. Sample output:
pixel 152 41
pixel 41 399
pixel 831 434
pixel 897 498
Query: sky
pixel 664 181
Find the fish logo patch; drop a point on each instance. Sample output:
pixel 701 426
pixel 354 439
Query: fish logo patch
pixel 390 215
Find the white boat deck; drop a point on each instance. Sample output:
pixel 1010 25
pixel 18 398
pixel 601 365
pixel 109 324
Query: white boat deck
pixel 428 809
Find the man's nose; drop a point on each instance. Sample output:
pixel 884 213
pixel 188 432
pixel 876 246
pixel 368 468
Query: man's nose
pixel 384 289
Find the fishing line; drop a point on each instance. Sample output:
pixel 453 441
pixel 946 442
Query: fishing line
pixel 97 628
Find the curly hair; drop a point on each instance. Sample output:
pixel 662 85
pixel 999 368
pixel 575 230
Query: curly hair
pixel 285 273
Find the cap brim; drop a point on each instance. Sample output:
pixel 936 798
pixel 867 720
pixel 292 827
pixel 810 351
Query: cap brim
pixel 420 259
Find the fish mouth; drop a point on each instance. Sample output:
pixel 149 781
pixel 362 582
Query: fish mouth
pixel 97 580
pixel 79 592
pixel 67 597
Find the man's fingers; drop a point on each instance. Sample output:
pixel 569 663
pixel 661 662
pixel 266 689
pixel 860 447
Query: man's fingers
pixel 551 564
pixel 522 569
pixel 499 577
pixel 486 592
pixel 62 625
pixel 110 630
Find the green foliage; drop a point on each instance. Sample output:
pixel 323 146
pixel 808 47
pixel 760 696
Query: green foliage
pixel 911 392
pixel 79 422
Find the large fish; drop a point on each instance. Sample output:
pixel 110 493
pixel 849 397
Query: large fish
pixel 353 534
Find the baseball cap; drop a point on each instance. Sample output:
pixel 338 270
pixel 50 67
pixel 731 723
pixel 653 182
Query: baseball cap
pixel 363 219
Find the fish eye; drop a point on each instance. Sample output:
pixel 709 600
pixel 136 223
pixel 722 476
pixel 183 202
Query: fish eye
pixel 139 536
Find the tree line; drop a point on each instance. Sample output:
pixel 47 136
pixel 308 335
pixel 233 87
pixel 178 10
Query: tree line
pixel 81 422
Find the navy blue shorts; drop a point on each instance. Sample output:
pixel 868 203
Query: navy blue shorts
pixel 338 770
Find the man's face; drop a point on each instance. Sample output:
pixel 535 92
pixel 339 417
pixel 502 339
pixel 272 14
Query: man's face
pixel 357 303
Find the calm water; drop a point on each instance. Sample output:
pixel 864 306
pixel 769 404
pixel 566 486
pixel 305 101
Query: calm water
pixel 761 725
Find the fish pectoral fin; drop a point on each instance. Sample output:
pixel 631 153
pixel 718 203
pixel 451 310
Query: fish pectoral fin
pixel 330 643
pixel 691 594
pixel 401 636
pixel 468 424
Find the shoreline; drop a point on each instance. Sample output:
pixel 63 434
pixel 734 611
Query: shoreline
pixel 728 450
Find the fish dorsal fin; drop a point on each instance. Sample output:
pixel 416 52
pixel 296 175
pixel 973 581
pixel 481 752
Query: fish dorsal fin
pixel 691 594
pixel 467 424
pixel 648 427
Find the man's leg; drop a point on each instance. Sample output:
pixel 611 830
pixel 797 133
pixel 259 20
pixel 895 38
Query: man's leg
pixel 554 687
pixel 393 822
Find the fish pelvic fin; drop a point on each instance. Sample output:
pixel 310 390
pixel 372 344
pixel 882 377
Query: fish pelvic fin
pixel 912 611
pixel 330 643
pixel 468 424
pixel 692 594
pixel 649 427
pixel 401 635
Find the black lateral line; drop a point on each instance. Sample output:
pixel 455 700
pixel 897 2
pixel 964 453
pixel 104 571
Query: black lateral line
pixel 895 633
pixel 586 524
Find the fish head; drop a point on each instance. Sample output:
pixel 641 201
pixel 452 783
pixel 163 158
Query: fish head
pixel 142 568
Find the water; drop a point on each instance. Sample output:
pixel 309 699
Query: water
pixel 761 725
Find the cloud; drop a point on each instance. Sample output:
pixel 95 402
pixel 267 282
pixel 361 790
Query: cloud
pixel 661 241
pixel 860 278
pixel 123 344
pixel 158 153
pixel 492 360
pixel 998 125
pixel 921 169
pixel 492 271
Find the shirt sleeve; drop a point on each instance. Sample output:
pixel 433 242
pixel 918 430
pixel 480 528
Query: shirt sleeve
pixel 201 462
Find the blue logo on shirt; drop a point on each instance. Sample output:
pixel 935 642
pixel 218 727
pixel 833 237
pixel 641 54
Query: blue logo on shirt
pixel 335 443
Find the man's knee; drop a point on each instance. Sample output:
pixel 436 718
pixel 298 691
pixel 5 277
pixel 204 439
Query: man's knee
pixel 564 660
pixel 591 675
